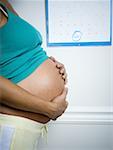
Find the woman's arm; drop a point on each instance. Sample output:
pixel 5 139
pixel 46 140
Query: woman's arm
pixel 30 115
pixel 16 97
pixel 9 6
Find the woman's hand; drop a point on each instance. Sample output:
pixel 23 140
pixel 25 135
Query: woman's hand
pixel 59 105
pixel 61 68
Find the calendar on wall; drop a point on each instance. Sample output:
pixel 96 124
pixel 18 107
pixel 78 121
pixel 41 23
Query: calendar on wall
pixel 78 22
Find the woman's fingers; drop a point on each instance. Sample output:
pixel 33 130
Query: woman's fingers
pixel 64 76
pixel 61 68
pixel 62 71
pixel 62 111
pixel 52 58
pixel 64 93
pixel 60 104
pixel 59 65
pixel 65 81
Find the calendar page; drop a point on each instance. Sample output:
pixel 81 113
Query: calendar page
pixel 78 22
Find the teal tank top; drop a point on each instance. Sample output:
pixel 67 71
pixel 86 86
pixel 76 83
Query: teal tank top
pixel 20 48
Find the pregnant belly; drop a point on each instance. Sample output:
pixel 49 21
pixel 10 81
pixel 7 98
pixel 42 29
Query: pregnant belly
pixel 45 82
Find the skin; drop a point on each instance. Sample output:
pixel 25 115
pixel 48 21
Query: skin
pixel 31 115
pixel 3 19
pixel 15 97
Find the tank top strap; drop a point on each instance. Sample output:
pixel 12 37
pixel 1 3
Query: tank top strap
pixel 4 7
pixel 9 16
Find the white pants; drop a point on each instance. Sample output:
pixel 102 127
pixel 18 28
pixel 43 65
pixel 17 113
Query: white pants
pixel 19 133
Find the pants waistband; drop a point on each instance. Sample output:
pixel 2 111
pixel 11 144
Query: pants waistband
pixel 20 122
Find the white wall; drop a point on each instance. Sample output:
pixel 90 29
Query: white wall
pixel 88 122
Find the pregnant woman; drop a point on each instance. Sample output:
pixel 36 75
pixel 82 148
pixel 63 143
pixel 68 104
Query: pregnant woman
pixel 27 65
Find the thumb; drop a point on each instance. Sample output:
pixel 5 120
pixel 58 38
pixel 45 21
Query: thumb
pixel 64 93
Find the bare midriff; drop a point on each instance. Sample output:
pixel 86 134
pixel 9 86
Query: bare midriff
pixel 46 83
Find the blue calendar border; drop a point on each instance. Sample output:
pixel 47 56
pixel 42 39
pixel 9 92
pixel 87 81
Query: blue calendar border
pixel 105 43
